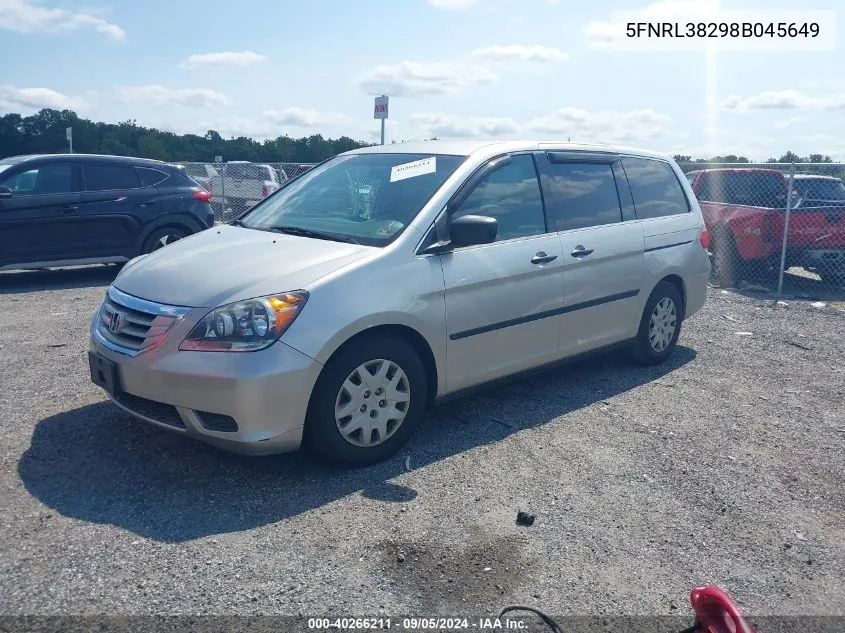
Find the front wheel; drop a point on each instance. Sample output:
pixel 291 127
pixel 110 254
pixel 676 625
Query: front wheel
pixel 660 325
pixel 368 401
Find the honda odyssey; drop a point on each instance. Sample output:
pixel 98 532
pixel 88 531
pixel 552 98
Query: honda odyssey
pixel 334 312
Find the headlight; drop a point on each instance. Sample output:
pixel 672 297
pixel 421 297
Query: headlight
pixel 246 326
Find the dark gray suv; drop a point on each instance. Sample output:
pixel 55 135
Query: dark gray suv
pixel 69 209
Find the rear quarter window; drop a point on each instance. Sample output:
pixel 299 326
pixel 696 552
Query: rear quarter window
pixel 655 187
pixel 150 177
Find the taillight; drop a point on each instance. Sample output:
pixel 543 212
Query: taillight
pixel 205 196
pixel 265 191
pixel 704 238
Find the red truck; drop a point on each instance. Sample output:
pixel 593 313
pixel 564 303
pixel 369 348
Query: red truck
pixel 745 211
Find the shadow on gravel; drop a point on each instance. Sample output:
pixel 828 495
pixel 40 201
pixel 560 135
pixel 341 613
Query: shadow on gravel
pixel 16 282
pixel 97 464
pixel 797 284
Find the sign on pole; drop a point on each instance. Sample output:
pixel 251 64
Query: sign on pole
pixel 380 112
pixel 69 135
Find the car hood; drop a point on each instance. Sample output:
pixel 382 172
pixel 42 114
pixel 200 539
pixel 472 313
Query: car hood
pixel 226 263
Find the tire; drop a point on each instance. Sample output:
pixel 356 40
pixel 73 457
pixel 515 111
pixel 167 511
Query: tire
pixel 323 436
pixel 726 260
pixel 660 325
pixel 162 237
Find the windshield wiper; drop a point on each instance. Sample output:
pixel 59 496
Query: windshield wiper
pixel 320 235
pixel 238 223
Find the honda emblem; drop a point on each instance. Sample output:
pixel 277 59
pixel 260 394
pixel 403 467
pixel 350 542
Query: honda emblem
pixel 116 321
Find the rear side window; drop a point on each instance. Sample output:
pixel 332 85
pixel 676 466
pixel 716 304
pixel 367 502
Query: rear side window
pixel 150 177
pixel 823 189
pixel 510 194
pixel 105 177
pixel 581 195
pixel 655 187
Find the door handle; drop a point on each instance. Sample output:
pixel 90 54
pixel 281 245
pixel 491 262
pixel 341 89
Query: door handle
pixel 147 203
pixel 580 251
pixel 68 209
pixel 542 258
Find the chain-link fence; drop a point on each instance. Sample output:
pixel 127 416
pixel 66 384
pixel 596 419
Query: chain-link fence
pixel 773 224
pixel 237 186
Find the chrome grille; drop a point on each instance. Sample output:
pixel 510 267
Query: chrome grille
pixel 131 325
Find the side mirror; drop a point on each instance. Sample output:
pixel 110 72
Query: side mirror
pixel 470 230
pixel 5 192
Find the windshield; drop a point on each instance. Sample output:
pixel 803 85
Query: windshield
pixel 826 189
pixel 366 198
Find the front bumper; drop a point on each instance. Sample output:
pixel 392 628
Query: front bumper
pixel 249 402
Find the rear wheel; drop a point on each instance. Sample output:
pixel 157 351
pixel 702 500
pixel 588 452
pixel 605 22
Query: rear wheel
pixel 368 401
pixel 660 325
pixel 162 237
pixel 726 260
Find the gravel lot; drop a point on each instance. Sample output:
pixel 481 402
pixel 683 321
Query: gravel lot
pixel 724 466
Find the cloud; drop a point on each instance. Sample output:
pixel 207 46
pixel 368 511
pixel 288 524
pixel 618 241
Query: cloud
pixel 173 97
pixel 30 16
pixel 518 52
pixel 611 33
pixel 447 125
pixel 14 99
pixel 783 100
pixel 217 60
pixel 297 117
pixel 414 79
pixel 452 4
pixel 601 127
pixel 268 124
pixel 785 124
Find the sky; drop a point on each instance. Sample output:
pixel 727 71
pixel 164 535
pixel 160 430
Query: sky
pixel 547 69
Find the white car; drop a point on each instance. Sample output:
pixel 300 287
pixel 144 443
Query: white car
pixel 395 276
pixel 247 183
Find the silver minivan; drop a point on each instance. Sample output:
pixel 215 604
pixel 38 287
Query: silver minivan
pixel 387 278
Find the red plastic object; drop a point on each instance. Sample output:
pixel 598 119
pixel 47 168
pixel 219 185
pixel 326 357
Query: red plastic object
pixel 704 238
pixel 716 613
pixel 205 196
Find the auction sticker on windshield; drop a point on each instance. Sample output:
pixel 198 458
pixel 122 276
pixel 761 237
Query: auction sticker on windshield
pixel 412 170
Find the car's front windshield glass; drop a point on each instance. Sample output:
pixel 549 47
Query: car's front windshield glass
pixel 820 189
pixel 364 198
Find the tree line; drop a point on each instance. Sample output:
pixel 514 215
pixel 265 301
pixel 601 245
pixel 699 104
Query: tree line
pixel 44 133
pixel 820 164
